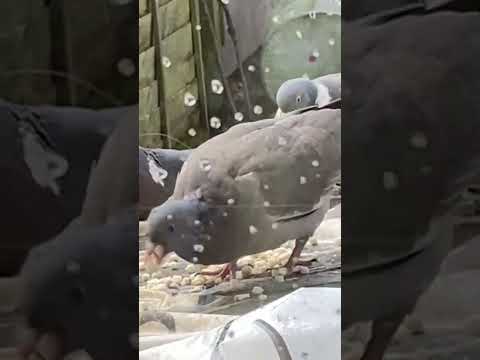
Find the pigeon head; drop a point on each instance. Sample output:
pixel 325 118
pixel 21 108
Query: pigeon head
pixel 64 293
pixel 180 226
pixel 296 94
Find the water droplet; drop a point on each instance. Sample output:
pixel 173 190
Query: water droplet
pixel 252 229
pixel 196 222
pixel 72 267
pixel 419 140
pixel 238 116
pixel 189 99
pixel 192 132
pixel 303 180
pixel 312 14
pixel 215 122
pixel 315 163
pixel 266 203
pixel 316 54
pixel 267 69
pixel 198 248
pixel 251 68
pixel 205 165
pixel 225 214
pixel 266 186
pixel 195 260
pixel 390 180
pixel 282 141
pixel 198 27
pixel 126 67
pixel 275 226
pixel 217 86
pixel 166 62
pixel 257 109
pixel 169 217
pixel 299 34
pixel 331 42
pixel 276 19
pixel 231 201
pixel 225 2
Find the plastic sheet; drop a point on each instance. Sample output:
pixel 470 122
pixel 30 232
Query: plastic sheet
pixel 303 325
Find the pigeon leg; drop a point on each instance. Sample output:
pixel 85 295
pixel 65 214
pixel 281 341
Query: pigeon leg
pixel 297 251
pixel 383 331
pixel 228 270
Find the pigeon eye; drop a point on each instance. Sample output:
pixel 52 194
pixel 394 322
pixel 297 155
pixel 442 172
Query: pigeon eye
pixel 171 228
pixel 299 99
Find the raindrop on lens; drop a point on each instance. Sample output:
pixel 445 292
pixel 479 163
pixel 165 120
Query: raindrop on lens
pixel 257 109
pixel 126 67
pixel 189 99
pixel 215 122
pixel 166 62
pixel 217 86
pixel 238 116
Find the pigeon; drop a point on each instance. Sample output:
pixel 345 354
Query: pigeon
pixel 303 93
pixel 411 148
pixel 84 282
pixel 251 189
pixel 157 171
pixel 47 156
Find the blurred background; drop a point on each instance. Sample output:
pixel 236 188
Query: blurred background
pixel 48 56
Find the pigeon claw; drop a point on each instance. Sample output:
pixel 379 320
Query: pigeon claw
pixel 228 271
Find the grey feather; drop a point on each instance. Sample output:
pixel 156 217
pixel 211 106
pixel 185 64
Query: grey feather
pixel 238 184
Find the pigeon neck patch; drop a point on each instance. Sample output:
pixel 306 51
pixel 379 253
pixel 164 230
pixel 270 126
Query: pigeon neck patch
pixel 45 165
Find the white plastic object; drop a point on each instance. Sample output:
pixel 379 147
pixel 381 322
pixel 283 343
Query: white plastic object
pixel 303 325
